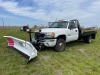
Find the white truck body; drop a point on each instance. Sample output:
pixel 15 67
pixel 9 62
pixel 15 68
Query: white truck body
pixel 70 34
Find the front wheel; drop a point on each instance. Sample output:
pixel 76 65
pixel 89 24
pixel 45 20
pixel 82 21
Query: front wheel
pixel 60 45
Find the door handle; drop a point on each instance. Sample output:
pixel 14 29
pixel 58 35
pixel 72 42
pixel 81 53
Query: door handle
pixel 76 30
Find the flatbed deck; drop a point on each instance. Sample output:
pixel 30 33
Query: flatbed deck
pixel 87 33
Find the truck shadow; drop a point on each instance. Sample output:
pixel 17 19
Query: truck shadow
pixel 68 45
pixel 22 54
pixel 75 43
pixel 49 49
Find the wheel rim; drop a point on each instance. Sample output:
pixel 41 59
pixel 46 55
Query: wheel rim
pixel 90 40
pixel 61 46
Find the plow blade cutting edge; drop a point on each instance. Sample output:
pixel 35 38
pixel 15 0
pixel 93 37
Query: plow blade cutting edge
pixel 23 46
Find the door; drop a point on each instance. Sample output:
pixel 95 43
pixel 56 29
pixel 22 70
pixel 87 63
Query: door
pixel 72 31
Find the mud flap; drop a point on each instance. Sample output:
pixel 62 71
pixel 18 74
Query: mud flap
pixel 23 46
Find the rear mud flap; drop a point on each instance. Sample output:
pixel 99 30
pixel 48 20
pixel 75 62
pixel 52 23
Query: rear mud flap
pixel 23 46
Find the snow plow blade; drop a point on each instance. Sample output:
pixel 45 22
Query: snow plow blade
pixel 23 46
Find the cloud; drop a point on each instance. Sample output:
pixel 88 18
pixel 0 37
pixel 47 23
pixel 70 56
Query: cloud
pixel 6 16
pixel 95 7
pixel 48 10
pixel 12 7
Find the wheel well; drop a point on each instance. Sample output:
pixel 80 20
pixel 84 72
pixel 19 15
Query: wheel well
pixel 62 37
pixel 93 36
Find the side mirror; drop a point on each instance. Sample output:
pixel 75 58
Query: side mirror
pixel 71 28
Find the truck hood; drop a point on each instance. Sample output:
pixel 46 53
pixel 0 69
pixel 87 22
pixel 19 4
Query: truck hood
pixel 52 29
pixel 57 31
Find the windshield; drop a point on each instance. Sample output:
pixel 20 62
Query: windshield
pixel 58 25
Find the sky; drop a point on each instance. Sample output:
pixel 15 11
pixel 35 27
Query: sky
pixel 40 12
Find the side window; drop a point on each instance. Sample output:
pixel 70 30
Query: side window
pixel 72 25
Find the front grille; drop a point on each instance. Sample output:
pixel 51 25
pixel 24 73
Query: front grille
pixel 39 36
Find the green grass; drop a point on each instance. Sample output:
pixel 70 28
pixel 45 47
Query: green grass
pixel 78 59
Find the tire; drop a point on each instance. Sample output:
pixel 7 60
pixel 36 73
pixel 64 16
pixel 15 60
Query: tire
pixel 88 39
pixel 60 45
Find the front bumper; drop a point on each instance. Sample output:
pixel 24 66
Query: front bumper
pixel 50 42
pixel 46 42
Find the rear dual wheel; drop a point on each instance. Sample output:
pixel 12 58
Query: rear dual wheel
pixel 88 39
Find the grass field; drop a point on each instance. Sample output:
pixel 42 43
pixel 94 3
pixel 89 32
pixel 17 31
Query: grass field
pixel 78 59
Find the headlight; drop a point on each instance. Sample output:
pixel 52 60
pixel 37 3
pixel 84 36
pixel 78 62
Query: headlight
pixel 50 34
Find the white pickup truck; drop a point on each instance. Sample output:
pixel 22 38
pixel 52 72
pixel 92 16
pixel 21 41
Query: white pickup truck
pixel 56 35
pixel 59 33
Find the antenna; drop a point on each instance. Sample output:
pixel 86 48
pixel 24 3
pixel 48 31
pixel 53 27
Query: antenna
pixel 3 22
pixel 56 19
